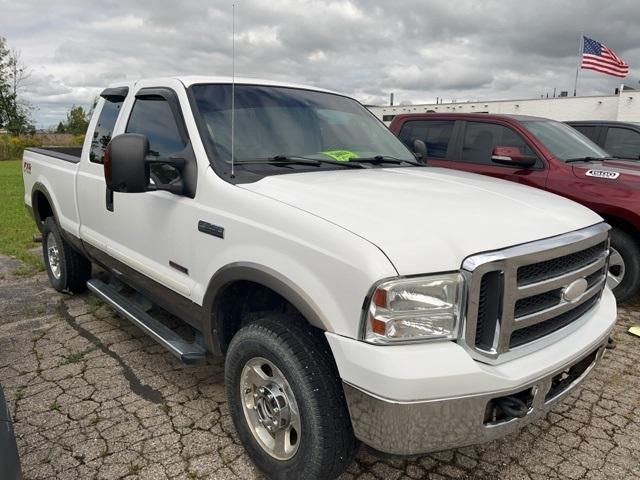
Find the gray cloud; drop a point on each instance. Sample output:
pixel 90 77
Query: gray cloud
pixel 367 48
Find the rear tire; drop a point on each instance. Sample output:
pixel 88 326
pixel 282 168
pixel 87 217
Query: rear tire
pixel 67 269
pixel 624 265
pixel 294 361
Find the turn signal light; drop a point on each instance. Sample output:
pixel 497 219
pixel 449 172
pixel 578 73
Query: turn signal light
pixel 377 326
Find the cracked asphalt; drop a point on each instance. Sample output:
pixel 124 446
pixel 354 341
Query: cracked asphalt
pixel 93 397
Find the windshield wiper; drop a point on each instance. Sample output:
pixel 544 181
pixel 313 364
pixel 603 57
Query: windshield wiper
pixel 297 160
pixel 384 159
pixel 584 159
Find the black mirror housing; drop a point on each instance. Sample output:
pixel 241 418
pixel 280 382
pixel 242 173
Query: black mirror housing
pixel 125 166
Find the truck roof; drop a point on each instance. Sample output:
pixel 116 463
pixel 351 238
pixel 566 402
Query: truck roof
pixel 189 80
pixel 471 116
pixel 614 123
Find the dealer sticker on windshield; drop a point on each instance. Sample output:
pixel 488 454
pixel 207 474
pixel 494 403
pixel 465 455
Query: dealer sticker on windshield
pixel 608 174
pixel 341 155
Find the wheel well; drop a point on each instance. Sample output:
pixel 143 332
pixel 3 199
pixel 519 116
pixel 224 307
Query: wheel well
pixel 617 222
pixel 242 302
pixel 41 208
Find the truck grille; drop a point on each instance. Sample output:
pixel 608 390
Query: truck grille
pixel 539 271
pixel 518 295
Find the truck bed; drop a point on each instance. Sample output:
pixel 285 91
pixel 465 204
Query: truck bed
pixel 52 170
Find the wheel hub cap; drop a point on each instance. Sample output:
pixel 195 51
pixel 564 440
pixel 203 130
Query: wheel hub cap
pixel 53 256
pixel 270 408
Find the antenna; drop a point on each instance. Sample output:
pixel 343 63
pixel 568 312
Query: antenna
pixel 233 86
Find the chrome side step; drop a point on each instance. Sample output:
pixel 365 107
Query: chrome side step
pixel 185 351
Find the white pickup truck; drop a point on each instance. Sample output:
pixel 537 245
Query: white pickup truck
pixel 356 293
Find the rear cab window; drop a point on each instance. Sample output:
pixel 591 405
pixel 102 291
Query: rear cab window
pixel 104 129
pixel 436 134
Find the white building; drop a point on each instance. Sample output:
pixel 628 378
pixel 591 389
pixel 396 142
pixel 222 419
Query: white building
pixel 624 107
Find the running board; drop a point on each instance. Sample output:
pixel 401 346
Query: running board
pixel 185 351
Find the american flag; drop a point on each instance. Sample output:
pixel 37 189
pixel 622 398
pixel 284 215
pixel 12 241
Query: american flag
pixel 599 57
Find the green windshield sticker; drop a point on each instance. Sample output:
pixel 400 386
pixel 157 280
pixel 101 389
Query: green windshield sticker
pixel 341 155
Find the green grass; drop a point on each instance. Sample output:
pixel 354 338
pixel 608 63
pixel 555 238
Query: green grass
pixel 16 226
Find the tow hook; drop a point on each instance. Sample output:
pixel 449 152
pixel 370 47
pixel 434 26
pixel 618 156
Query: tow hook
pixel 512 406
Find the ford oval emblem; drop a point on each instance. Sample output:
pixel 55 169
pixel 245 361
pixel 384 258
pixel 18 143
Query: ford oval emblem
pixel 574 290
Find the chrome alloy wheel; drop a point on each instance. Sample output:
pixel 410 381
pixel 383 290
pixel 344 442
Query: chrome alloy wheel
pixel 616 269
pixel 53 256
pixel 270 408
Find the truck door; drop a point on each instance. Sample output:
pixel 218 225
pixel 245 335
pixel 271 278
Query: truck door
pixel 149 232
pixel 90 183
pixel 471 146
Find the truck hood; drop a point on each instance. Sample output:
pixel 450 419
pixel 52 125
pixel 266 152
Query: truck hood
pixel 628 171
pixel 428 219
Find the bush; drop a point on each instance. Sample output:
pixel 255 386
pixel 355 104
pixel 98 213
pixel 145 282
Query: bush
pixel 11 147
pixel 78 140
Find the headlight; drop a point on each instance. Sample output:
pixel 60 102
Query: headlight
pixel 414 309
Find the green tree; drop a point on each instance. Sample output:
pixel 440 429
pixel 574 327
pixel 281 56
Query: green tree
pixel 15 113
pixel 60 128
pixel 77 121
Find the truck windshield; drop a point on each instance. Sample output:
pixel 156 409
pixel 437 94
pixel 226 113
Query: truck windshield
pixel 564 142
pixel 274 124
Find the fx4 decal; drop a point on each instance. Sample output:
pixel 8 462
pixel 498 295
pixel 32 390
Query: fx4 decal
pixel 26 167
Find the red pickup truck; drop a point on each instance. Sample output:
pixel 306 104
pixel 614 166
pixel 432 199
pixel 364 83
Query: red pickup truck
pixel 544 154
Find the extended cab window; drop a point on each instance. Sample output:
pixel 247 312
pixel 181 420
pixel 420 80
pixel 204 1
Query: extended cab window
pixel 104 129
pixel 623 143
pixel 436 134
pixel 481 138
pixel 153 117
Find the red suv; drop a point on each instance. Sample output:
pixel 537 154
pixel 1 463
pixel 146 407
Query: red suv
pixel 545 154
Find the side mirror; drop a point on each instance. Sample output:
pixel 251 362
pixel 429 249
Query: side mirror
pixel 128 167
pixel 125 167
pixel 512 156
pixel 419 149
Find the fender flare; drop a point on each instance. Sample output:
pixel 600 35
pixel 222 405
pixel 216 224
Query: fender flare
pixel 39 187
pixel 262 275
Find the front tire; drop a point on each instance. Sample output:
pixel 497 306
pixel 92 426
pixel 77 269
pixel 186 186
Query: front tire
pixel 286 400
pixel 624 265
pixel 66 268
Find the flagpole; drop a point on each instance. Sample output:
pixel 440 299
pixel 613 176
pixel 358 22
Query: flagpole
pixel 580 49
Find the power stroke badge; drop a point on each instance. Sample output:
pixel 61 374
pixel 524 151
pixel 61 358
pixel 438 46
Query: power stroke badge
pixel 608 174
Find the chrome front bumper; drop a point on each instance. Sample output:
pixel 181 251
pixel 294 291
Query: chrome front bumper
pixel 408 428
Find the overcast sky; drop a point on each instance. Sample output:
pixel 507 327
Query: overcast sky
pixel 464 50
